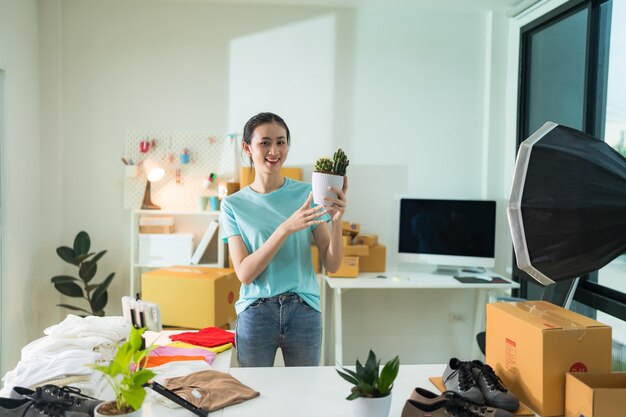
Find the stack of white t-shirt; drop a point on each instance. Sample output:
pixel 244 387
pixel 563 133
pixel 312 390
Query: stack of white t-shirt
pixel 61 357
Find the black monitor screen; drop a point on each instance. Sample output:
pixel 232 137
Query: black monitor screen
pixel 447 227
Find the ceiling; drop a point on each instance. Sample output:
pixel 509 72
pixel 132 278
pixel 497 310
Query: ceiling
pixel 465 5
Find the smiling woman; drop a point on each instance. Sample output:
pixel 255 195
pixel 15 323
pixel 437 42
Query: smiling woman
pixel 270 226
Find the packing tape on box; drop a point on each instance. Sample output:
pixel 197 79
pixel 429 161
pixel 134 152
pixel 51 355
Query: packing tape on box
pixel 549 317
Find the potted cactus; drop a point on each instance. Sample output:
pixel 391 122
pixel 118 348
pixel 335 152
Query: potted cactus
pixel 328 173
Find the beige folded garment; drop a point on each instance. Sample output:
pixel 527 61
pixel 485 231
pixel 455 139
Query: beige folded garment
pixel 210 390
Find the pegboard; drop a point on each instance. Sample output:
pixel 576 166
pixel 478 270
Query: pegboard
pixel 208 153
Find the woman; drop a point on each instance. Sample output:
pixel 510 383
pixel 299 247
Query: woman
pixel 269 226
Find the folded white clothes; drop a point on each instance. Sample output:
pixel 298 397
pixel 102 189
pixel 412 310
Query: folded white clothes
pixel 37 369
pixel 113 328
pixel 48 345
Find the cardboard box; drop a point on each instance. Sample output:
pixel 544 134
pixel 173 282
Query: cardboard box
pixel 375 261
pixel 595 394
pixel 356 250
pixel 315 255
pixel 531 345
pixel 246 174
pixel 365 239
pixel 351 229
pixel 156 229
pixel 192 296
pixel 156 250
pixel 347 240
pixel 349 268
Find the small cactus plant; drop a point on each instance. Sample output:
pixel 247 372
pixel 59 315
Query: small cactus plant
pixel 336 166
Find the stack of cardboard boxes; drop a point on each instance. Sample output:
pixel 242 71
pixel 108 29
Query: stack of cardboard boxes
pixel 361 252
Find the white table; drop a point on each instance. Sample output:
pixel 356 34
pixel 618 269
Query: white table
pixel 410 280
pixel 308 392
pixel 317 391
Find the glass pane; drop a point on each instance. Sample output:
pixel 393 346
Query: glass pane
pixel 615 127
pixel 557 73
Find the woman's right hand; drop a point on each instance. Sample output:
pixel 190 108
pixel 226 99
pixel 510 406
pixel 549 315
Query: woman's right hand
pixel 304 217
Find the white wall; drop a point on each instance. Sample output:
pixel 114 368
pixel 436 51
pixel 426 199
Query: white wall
pixel 403 90
pixel 25 297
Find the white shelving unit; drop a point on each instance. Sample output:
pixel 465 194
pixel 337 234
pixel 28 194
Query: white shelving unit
pixel 194 222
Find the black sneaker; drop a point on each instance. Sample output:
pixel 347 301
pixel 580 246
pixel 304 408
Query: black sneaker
pixel 69 396
pixel 25 407
pixel 458 377
pixel 492 388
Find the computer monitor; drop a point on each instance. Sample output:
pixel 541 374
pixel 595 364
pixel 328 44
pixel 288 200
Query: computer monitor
pixel 453 234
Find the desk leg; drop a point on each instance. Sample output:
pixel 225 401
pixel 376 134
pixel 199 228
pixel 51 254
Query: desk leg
pixel 479 320
pixel 338 327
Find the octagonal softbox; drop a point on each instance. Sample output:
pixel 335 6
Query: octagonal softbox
pixel 567 210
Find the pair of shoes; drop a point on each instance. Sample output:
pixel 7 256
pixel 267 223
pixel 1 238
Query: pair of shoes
pixel 25 407
pixel 423 396
pixel 478 383
pixel 453 405
pixel 71 398
pixel 493 389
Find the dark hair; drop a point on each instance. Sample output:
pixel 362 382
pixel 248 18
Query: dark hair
pixel 261 119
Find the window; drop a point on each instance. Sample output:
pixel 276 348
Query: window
pixel 573 72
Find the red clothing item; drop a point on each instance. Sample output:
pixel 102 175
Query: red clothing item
pixel 209 337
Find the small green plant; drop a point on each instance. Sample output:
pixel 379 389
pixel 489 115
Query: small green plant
pixel 336 166
pixel 367 381
pixel 79 255
pixel 125 375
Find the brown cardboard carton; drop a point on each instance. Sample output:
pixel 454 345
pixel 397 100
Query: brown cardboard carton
pixel 156 229
pixel 246 174
pixel 192 296
pixel 356 250
pixel 315 256
pixel 351 229
pixel 349 268
pixel 365 239
pixel 375 261
pixel 347 240
pixel 595 394
pixel 531 345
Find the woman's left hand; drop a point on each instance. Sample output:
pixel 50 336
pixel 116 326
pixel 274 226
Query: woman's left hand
pixel 337 206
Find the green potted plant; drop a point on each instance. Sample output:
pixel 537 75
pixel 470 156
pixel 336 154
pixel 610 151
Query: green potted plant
pixel 328 173
pixel 371 392
pixel 126 377
pixel 87 263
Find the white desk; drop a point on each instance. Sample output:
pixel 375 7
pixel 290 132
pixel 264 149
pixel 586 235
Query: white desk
pixel 409 280
pixel 308 392
pixel 317 391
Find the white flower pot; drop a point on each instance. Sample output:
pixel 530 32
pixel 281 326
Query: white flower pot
pixel 371 407
pixel 136 413
pixel 320 183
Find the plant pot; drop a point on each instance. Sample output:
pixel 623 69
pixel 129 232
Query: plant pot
pixel 96 412
pixel 320 183
pixel 371 407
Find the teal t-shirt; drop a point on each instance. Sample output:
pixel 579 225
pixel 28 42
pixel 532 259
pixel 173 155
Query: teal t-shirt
pixel 255 216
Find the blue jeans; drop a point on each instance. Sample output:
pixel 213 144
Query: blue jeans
pixel 284 321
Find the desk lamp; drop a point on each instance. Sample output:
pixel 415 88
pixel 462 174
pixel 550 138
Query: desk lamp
pixel 154 172
pixel 567 211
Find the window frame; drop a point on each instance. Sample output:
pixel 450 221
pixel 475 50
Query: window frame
pixel 588 292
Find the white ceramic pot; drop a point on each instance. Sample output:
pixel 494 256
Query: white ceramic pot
pixel 371 407
pixel 96 412
pixel 320 183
